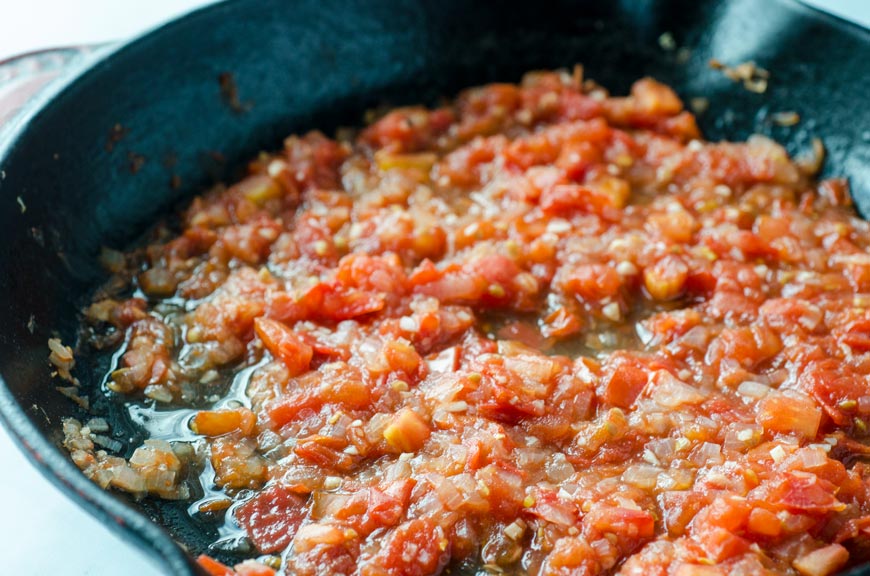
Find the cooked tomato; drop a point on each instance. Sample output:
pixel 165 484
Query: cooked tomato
pixel 272 517
pixel 538 330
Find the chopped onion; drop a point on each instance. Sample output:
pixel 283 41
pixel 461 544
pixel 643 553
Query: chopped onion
pixel 822 562
pixel 812 457
pixel 558 469
pixel 642 476
pixel 670 392
pixel 447 492
pixel 707 454
pixel 752 389
pixel 311 535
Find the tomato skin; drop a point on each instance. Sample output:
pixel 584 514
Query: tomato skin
pixel 284 344
pixel 272 517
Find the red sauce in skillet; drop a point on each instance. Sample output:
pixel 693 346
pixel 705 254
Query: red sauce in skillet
pixel 541 330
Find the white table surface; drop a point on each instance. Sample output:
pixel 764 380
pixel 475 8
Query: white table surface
pixel 44 532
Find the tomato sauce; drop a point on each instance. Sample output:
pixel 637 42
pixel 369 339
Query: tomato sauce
pixel 539 330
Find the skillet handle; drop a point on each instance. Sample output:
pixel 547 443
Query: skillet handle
pixel 23 76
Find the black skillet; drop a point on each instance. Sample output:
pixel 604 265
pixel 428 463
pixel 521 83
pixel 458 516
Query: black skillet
pixel 93 157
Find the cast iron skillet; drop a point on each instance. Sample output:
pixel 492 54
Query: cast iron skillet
pixel 310 64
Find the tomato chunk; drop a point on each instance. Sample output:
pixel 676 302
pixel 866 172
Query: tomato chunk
pixel 272 518
pixel 284 344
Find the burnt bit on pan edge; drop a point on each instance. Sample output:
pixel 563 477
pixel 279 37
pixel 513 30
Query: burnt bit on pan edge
pixel 136 162
pixel 117 133
pixel 230 93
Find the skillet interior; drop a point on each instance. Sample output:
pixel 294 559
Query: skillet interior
pixel 319 65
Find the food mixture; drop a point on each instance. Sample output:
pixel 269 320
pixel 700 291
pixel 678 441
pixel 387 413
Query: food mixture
pixel 539 330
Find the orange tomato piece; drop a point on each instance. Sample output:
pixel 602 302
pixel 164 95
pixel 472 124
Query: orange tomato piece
pixel 407 432
pixel 220 422
pixel 284 344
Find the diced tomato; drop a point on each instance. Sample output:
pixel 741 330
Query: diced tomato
pixel 680 508
pixel 566 198
pixel 591 281
pixel 284 344
pixel 407 431
pixel 507 397
pixel 577 157
pixel 488 281
pixel 764 522
pixel 213 567
pixel 524 154
pixel 339 305
pixel 571 556
pixel 314 160
pixel 253 568
pixel 407 129
pixel 856 335
pixel 219 422
pixel 807 493
pixel 666 279
pixel 287 408
pixel 561 323
pixel 402 357
pixel 482 110
pixel 678 226
pixel 623 522
pixel 370 509
pixel 540 329
pixel 624 379
pixel 272 517
pixel 247 242
pixel 789 414
pixel 721 544
pixel 832 384
pixel 748 347
pixel 376 274
pixel 327 452
pixel 823 561
pixel 503 489
pixel 416 548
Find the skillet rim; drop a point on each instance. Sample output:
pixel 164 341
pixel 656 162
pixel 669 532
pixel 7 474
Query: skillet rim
pixel 136 528
pixel 44 454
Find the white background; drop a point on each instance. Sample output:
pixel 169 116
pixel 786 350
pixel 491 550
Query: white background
pixel 29 24
pixel 43 532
